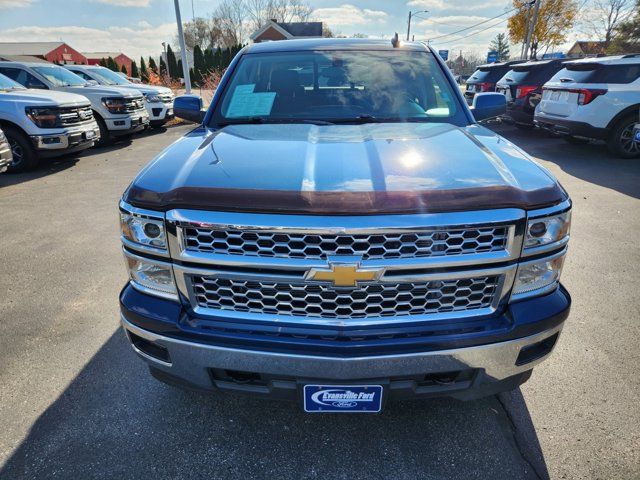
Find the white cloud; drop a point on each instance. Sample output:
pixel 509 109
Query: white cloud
pixel 15 3
pixel 133 41
pixel 435 5
pixel 348 15
pixel 126 3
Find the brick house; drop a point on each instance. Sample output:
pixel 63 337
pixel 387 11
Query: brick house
pixel 58 52
pixel 93 58
pixel 274 30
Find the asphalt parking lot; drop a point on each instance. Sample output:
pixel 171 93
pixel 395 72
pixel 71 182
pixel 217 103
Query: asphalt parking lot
pixel 75 402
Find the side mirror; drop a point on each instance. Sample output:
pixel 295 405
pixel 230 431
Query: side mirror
pixel 93 83
pixel 189 107
pixel 488 105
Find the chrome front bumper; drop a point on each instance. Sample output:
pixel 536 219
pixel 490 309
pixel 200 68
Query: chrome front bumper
pixel 192 362
pixel 68 138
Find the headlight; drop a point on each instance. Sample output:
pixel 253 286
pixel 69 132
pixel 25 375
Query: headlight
pixel 151 276
pixel 115 104
pixel 152 98
pixel 538 277
pixel 547 230
pixel 143 228
pixel 44 117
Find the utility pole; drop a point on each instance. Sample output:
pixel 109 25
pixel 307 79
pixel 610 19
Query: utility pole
pixel 411 15
pixel 532 27
pixel 183 50
pixel 526 33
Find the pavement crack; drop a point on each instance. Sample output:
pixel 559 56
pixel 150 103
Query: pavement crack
pixel 521 449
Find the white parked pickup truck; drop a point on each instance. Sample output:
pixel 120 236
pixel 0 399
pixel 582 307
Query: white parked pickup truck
pixel 158 100
pixel 40 123
pixel 118 111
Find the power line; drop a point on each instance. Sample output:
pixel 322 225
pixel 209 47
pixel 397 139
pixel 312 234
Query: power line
pixel 473 26
pixel 474 33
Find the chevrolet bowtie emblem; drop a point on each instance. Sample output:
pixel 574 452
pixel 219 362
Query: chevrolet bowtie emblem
pixel 343 274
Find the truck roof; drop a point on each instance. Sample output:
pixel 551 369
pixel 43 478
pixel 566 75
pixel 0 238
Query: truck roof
pixel 333 44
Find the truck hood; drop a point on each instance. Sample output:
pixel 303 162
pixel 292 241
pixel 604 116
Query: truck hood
pixel 146 89
pixel 99 90
pixel 344 169
pixel 44 98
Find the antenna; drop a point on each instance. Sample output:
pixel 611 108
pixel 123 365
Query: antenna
pixel 395 41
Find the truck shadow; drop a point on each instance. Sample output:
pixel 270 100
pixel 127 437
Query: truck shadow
pixel 115 421
pixel 591 162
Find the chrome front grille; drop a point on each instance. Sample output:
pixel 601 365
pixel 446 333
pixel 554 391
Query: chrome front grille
pixel 133 105
pixel 294 268
pixel 74 115
pixel 325 301
pixel 399 244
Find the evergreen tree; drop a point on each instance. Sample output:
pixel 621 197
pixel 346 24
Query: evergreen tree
pixel 163 67
pixel 152 65
pixel 144 73
pixel 217 59
pixel 172 64
pixel 226 57
pixel 198 64
pixel 102 62
pixel 500 45
pixel 208 60
pixel 111 64
pixel 180 70
pixel 123 69
pixel 134 70
pixel 192 76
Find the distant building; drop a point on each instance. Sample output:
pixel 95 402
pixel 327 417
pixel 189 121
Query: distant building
pixel 58 52
pixel 93 58
pixel 274 30
pixel 587 49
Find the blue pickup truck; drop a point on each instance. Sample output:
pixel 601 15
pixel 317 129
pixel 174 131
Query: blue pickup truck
pixel 340 231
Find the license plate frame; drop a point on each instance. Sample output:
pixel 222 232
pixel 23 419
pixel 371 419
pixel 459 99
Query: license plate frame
pixel 89 135
pixel 342 398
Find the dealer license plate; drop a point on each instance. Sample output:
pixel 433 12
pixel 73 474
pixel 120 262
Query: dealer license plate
pixel 90 134
pixel 342 398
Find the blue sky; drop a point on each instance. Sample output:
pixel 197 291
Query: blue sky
pixel 137 27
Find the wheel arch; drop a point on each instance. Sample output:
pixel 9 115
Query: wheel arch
pixel 8 123
pixel 622 114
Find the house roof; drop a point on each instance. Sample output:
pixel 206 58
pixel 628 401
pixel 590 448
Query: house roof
pixel 22 58
pixel 303 29
pixel 99 55
pixel 589 47
pixel 291 29
pixel 28 48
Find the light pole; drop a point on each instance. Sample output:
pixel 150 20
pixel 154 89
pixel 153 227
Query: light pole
pixel 183 50
pixel 413 14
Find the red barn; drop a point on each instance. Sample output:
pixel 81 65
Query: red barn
pixel 93 58
pixel 58 52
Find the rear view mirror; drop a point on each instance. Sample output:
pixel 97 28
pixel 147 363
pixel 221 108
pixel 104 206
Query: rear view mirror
pixel 488 105
pixel 189 107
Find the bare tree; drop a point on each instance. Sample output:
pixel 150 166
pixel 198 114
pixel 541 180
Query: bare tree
pixel 603 18
pixel 261 11
pixel 229 19
pixel 202 32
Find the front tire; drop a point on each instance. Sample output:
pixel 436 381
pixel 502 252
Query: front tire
pixel 24 155
pixel 620 141
pixel 105 136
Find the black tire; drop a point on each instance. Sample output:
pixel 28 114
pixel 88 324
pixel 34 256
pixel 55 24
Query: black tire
pixel 576 140
pixel 620 141
pixel 24 155
pixel 105 136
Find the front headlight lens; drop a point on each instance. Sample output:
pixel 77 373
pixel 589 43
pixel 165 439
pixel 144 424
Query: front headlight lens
pixel 44 117
pixel 143 230
pixel 152 98
pixel 115 104
pixel 538 277
pixel 152 277
pixel 547 230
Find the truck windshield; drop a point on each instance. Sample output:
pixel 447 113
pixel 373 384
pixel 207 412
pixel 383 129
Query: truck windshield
pixel 338 86
pixel 108 77
pixel 7 84
pixel 60 77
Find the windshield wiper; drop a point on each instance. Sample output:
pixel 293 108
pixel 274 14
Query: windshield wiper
pixel 260 120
